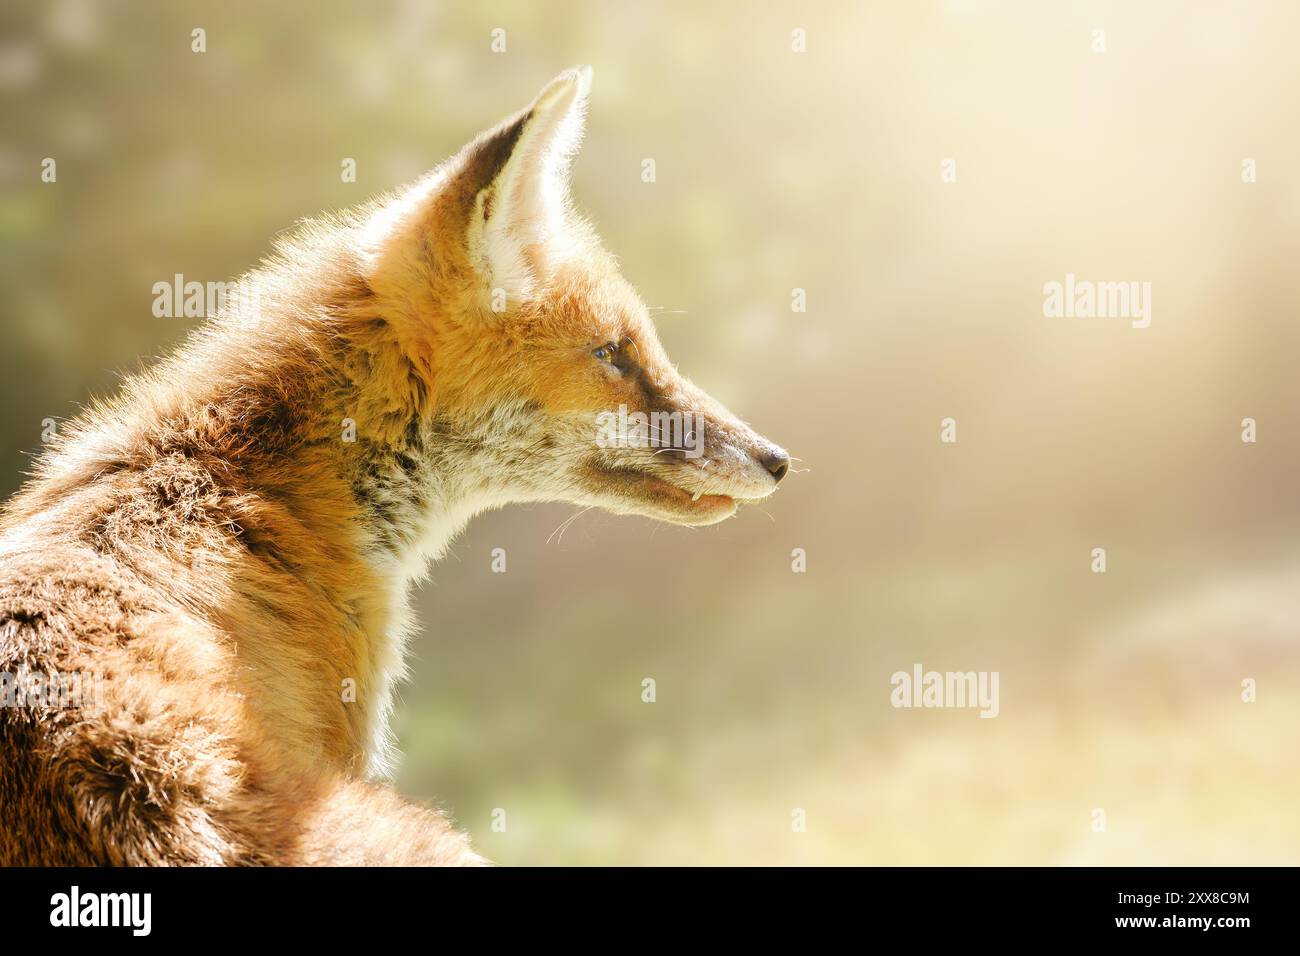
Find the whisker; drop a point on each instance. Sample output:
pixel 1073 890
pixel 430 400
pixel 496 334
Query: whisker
pixel 563 526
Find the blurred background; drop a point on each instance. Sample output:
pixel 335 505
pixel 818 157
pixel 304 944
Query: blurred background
pixel 778 170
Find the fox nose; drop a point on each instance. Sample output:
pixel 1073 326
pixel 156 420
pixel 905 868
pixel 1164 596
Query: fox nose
pixel 777 463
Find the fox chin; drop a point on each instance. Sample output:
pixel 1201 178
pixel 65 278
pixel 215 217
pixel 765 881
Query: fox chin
pixel 223 551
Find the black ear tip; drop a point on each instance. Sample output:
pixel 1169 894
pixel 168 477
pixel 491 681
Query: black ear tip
pixel 488 154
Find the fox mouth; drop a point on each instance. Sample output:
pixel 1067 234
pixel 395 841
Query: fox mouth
pixel 659 497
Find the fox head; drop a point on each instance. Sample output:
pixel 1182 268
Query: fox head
pixel 519 334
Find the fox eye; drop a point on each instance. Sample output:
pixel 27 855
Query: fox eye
pixel 607 352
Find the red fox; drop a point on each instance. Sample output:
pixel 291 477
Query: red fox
pixel 226 546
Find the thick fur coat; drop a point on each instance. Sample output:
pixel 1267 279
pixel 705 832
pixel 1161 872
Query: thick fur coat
pixel 224 549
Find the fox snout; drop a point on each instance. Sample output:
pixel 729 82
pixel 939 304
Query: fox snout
pixel 730 441
pixel 735 451
pixel 687 460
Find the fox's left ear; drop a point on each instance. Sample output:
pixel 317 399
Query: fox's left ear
pixel 515 183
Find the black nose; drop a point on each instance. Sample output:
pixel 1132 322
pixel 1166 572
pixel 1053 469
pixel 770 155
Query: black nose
pixel 777 463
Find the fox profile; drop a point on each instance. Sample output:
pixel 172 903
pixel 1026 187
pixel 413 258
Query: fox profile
pixel 227 545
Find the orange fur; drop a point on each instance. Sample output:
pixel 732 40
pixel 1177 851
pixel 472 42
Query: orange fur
pixel 212 544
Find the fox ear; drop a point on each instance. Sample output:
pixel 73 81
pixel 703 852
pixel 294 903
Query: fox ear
pixel 515 182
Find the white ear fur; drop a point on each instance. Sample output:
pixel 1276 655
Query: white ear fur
pixel 518 223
